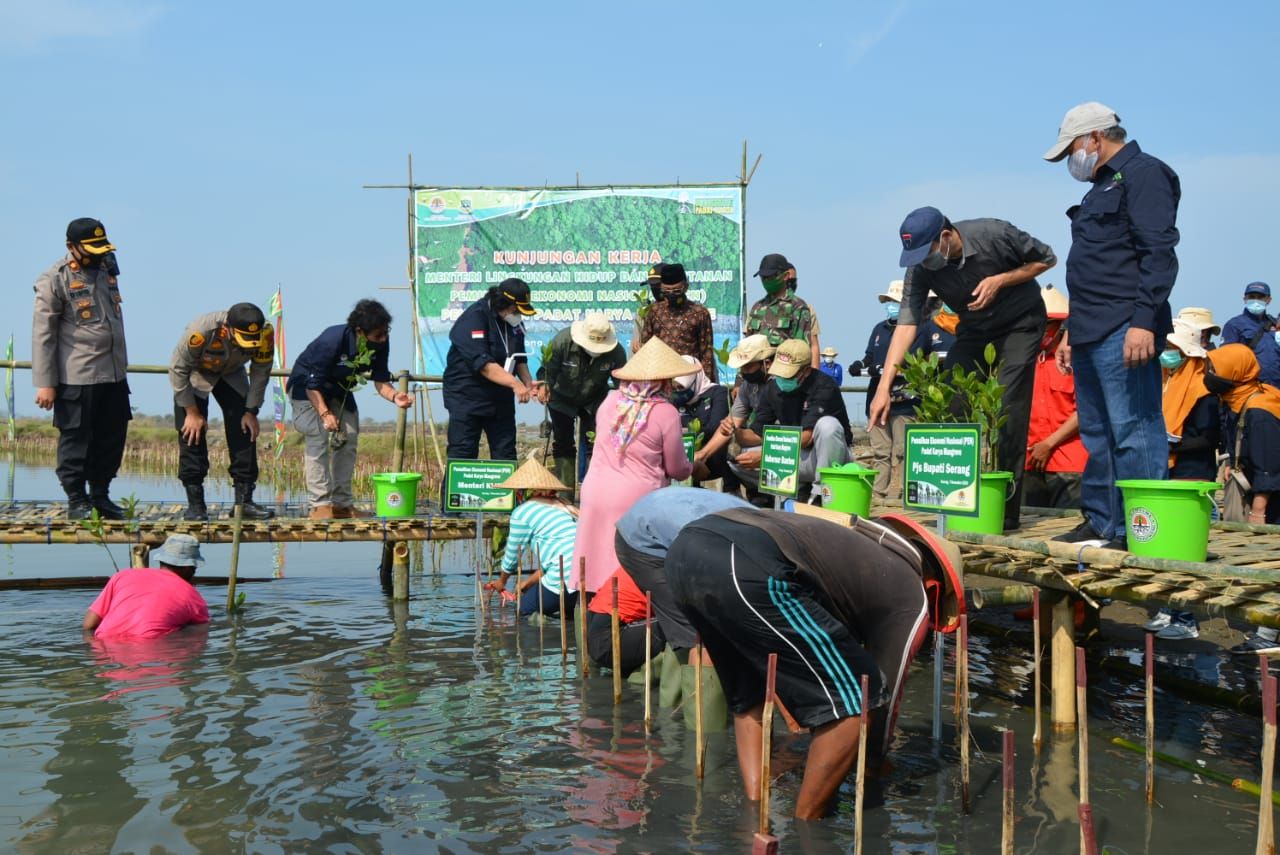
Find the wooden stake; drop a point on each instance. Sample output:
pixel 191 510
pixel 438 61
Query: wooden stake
pixel 648 661
pixel 139 555
pixel 564 618
pixel 237 521
pixel 400 571
pixel 1063 664
pixel 1151 718
pixel 1266 824
pixel 1036 738
pixel 697 711
pixel 1006 836
pixel 615 630
pixel 515 604
pixel 583 663
pixel 1088 843
pixel 861 784
pixel 766 740
pixel 962 695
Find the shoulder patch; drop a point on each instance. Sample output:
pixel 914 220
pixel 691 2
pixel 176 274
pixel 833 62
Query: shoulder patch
pixel 196 340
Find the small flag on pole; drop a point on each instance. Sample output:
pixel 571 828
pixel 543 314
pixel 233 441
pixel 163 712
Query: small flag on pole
pixel 278 399
pixel 8 390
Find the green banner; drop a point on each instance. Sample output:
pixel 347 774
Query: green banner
pixel 780 461
pixel 580 250
pixel 471 485
pixel 942 468
pixel 690 441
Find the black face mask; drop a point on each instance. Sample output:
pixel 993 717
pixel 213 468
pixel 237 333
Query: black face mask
pixel 1217 385
pixel 758 376
pixel 109 264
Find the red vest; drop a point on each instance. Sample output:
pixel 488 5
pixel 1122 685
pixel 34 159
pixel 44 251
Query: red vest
pixel 1052 403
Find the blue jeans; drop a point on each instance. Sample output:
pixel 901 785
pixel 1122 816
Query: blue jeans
pixel 1121 426
pixel 538 599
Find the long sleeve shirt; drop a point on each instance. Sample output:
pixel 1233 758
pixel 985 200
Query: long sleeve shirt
pixel 208 353
pixel 77 329
pixel 549 530
pixel 326 365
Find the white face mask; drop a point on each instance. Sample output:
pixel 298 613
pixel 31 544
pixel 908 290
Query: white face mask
pixel 514 319
pixel 1081 164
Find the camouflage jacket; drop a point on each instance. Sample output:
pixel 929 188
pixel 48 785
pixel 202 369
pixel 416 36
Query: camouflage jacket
pixel 781 317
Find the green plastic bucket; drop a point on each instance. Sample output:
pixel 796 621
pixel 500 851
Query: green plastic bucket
pixel 397 493
pixel 1168 519
pixel 847 488
pixel 993 487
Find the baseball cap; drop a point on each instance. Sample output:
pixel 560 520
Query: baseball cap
pixel 673 274
pixel 752 348
pixel 247 323
pixel 892 294
pixel 655 273
pixel 90 234
pixel 1080 120
pixel 517 291
pixel 918 232
pixel 1261 288
pixel 773 265
pixel 793 354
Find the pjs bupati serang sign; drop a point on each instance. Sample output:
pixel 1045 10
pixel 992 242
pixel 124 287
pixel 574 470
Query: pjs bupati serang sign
pixel 580 249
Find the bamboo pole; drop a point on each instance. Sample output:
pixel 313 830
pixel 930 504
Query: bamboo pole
pixel 1088 843
pixel 648 661
pixel 962 694
pixel 400 570
pixel 515 604
pixel 564 617
pixel 1063 664
pixel 1266 822
pixel 582 617
pixel 237 520
pixel 1151 717
pixel 1007 756
pixel 766 741
pixel 1036 738
pixel 140 555
pixel 861 784
pixel 697 712
pixel 615 636
pixel 1241 784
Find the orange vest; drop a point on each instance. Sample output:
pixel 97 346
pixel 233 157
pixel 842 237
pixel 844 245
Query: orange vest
pixel 1052 403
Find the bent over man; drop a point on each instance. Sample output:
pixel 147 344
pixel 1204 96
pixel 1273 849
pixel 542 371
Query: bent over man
pixel 210 360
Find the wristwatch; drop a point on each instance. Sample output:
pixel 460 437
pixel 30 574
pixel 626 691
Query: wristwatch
pixel 253 410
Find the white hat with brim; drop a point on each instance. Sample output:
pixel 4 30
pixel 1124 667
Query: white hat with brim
pixel 1056 304
pixel 894 292
pixel 1201 319
pixel 655 360
pixel 830 351
pixel 752 348
pixel 1186 338
pixel 533 476
pixel 1080 120
pixel 594 334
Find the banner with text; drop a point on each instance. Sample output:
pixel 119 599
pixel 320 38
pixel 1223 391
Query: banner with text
pixel 580 250
pixel 942 468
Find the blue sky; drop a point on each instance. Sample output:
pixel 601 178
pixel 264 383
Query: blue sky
pixel 225 145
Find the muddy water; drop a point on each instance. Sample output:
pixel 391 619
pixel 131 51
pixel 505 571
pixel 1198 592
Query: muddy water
pixel 323 718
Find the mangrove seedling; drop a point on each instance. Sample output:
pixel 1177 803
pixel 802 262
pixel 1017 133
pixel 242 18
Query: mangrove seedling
pixel 954 395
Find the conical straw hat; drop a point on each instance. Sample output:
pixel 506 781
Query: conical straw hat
pixel 533 476
pixel 654 361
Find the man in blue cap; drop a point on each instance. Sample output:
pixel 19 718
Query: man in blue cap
pixel 1255 327
pixel 986 270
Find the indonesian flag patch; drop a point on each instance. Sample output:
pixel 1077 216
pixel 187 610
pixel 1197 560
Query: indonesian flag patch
pixel 477 334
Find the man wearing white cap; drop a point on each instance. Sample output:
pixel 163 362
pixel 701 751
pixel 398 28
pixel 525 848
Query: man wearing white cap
pixel 1120 273
pixel 578 374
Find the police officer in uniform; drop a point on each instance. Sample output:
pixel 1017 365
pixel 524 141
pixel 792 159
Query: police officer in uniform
pixel 210 360
pixel 486 372
pixel 78 363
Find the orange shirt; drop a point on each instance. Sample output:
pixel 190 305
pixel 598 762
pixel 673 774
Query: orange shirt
pixel 630 598
pixel 1052 403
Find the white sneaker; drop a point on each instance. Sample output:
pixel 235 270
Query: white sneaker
pixel 1162 619
pixel 1180 629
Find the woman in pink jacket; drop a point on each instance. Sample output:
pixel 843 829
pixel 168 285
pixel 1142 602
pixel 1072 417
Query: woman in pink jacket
pixel 638 449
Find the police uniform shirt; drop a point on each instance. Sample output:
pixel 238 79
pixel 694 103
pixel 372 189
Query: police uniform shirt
pixel 208 353
pixel 477 338
pixel 77 331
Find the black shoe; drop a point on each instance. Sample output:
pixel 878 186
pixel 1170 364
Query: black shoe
pixel 78 507
pixel 1118 543
pixel 250 510
pixel 1012 525
pixel 1082 534
pixel 102 503
pixel 197 510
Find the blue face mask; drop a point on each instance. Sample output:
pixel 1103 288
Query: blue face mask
pixel 891 310
pixel 787 384
pixel 1172 359
pixel 1255 307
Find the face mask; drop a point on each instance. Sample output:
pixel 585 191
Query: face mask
pixel 1217 385
pixel 830 360
pixel 514 319
pixel 1082 164
pixel 1172 359
pixel 680 397
pixel 787 384
pixel 675 298
pixel 891 310
pixel 758 376
pixel 1255 307
pixel 773 286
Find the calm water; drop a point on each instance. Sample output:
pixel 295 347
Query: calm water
pixel 323 718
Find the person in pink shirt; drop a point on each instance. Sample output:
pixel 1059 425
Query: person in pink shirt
pixel 639 448
pixel 148 602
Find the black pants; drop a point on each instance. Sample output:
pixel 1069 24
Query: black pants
pixel 650 574
pixel 632 650
pixel 92 423
pixel 1016 351
pixel 562 433
pixel 193 460
pixel 464 435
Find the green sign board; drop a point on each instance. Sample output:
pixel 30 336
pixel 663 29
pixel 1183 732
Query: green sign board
pixel 942 468
pixel 689 449
pixel 471 485
pixel 780 461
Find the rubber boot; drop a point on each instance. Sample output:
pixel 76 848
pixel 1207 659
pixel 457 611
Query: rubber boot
pixel 102 503
pixel 78 506
pixel 197 510
pixel 249 510
pixel 715 706
pixel 669 684
pixel 566 470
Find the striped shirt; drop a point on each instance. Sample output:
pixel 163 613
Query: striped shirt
pixel 548 529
